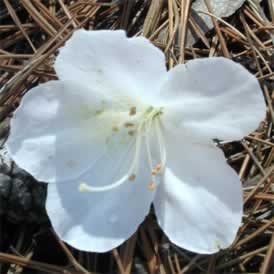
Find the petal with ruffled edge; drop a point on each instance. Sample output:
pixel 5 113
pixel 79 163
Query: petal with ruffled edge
pixel 199 201
pixel 213 98
pixel 119 64
pixel 100 221
pixel 61 128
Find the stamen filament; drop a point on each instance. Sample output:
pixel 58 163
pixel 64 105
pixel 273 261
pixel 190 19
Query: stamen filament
pixel 83 187
pixel 161 142
pixel 147 143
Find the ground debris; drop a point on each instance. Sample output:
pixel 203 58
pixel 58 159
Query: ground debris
pixel 31 33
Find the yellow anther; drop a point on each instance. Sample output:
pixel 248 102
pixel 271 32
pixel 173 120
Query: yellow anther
pixel 153 172
pixel 156 170
pixel 129 124
pixel 158 167
pixel 132 111
pixel 151 186
pixel 115 128
pixel 131 132
pixel 132 177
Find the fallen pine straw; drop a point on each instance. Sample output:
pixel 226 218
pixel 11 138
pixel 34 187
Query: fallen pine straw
pixel 30 34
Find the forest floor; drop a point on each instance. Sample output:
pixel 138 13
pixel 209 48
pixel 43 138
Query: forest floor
pixel 31 33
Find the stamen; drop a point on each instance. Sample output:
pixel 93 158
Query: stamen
pixel 131 132
pixel 158 167
pixel 115 128
pixel 161 143
pixel 148 149
pixel 149 118
pixel 156 170
pixel 152 186
pixel 83 187
pixel 132 111
pixel 129 124
pixel 132 177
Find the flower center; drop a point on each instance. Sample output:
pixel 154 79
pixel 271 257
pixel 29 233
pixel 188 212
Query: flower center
pixel 149 125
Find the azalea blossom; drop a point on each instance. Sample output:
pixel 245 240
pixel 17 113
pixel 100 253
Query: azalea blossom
pixel 118 132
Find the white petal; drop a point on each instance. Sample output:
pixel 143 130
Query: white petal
pixel 60 129
pixel 199 202
pixel 100 221
pixel 109 59
pixel 213 98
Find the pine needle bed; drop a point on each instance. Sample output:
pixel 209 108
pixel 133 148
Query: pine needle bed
pixel 31 33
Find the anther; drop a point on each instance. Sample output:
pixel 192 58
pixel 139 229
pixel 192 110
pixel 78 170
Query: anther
pixel 129 124
pixel 152 186
pixel 132 177
pixel 153 172
pixel 156 170
pixel 158 167
pixel 115 128
pixel 132 111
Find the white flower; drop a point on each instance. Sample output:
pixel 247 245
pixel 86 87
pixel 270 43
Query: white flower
pixel 118 132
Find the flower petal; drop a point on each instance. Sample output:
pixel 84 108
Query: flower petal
pixel 60 129
pixel 199 202
pixel 110 59
pixel 213 98
pixel 100 221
